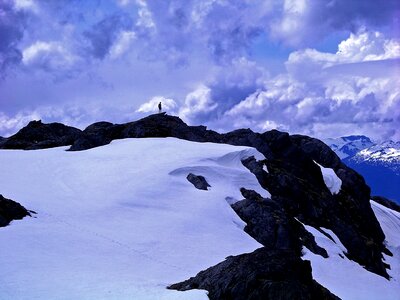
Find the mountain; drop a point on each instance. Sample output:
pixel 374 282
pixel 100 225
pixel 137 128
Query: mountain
pixel 348 146
pixel 378 163
pixel 386 153
pixel 157 209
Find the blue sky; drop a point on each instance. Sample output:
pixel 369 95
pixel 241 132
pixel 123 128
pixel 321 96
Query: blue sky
pixel 322 68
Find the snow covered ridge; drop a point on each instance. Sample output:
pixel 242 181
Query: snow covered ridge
pixel 362 149
pixel 121 221
pixel 348 146
pixel 386 152
pixel 378 163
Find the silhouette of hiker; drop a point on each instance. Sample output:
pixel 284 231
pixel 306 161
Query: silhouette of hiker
pixel 159 107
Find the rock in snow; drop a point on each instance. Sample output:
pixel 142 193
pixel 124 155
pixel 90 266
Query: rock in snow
pixel 121 221
pixel 198 181
pixel 11 210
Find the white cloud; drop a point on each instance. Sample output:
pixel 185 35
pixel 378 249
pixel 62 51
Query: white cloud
pixel 49 56
pixel 145 15
pixel 361 47
pixel 26 5
pixel 168 105
pixel 123 2
pixel 122 44
pixel 197 103
pixel 312 99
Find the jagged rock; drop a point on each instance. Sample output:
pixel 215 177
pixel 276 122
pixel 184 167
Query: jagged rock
pixel 11 210
pixel 311 202
pixel 269 224
pixel 251 195
pixel 262 274
pixel 37 135
pixel 345 213
pixel 198 181
pixel 386 202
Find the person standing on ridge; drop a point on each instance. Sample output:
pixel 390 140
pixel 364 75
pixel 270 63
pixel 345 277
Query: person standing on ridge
pixel 159 107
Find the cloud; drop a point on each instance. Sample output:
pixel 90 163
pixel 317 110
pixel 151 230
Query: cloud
pixel 26 5
pixel 197 105
pixel 168 105
pixel 303 22
pixel 221 62
pixel 103 34
pixel 122 44
pixel 12 26
pixel 314 97
pixel 48 56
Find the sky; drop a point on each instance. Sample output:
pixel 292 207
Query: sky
pixel 322 68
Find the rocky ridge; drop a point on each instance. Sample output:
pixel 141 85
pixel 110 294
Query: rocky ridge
pixel 298 196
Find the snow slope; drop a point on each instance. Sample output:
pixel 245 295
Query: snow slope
pixel 120 221
pixel 347 279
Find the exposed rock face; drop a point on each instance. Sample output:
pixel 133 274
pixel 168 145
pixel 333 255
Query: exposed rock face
pixel 262 274
pixel 97 134
pixel 198 181
pixel 11 210
pixel 269 224
pixel 37 135
pixel 345 213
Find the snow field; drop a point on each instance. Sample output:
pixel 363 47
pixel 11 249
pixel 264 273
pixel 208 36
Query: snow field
pixel 120 221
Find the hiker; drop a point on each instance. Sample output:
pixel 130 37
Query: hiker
pixel 159 108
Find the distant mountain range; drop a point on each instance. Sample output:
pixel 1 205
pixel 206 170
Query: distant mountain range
pixel 379 163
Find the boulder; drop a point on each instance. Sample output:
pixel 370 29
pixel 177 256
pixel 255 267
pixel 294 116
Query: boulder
pixel 198 181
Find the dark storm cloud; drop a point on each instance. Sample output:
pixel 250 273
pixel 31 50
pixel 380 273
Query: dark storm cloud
pixel 306 22
pixel 103 34
pixel 12 25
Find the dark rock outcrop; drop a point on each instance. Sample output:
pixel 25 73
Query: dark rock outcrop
pixel 262 274
pixel 386 202
pixel 11 210
pixel 95 135
pixel 269 224
pixel 198 181
pixel 37 135
pixel 275 271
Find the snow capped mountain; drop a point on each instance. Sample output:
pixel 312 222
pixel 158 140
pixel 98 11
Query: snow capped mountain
pixel 348 146
pixel 378 163
pixel 386 152
pixel 157 209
